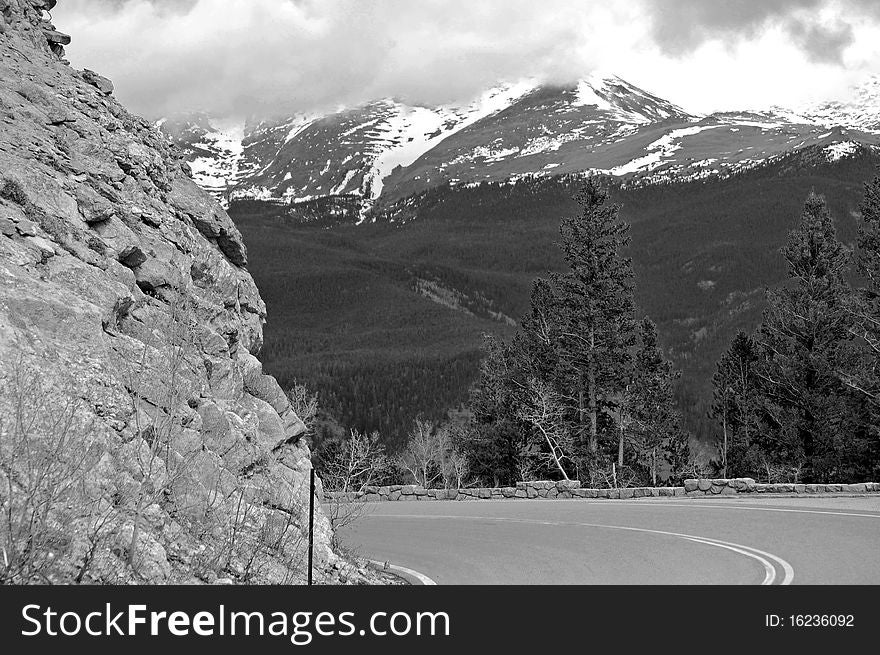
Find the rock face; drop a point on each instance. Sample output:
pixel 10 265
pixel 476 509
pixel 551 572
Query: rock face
pixel 128 328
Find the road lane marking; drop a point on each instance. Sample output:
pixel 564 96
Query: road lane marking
pixel 421 577
pixel 760 555
pixel 769 569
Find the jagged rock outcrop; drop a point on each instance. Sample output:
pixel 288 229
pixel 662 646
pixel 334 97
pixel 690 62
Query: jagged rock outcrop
pixel 128 327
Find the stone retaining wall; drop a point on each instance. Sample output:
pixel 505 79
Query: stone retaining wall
pixel 573 489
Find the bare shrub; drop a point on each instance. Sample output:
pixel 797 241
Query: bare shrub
pixel 166 454
pixel 348 467
pixel 47 447
pixel 423 456
pixel 552 441
pixel 304 404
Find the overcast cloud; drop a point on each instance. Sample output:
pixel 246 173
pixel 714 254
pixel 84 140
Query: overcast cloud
pixel 242 56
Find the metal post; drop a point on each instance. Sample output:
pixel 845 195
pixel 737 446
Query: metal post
pixel 311 520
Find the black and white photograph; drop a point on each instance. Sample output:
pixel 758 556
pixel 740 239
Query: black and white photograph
pixel 415 322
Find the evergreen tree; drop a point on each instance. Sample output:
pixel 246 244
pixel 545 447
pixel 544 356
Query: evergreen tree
pixel 804 346
pixel 494 442
pixel 656 435
pixel 735 404
pixel 595 309
pixel 865 303
pixel 563 378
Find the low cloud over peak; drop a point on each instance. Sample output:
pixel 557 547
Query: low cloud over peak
pixel 274 56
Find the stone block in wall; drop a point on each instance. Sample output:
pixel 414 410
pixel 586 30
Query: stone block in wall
pixel 800 488
pixel 704 485
pixel 743 485
pixel 625 494
pixel 691 485
pixel 531 492
pixel 565 494
pixel 508 492
pixel 408 490
pixel 521 493
pixel 855 488
pixel 568 485
pixel 678 491
pixel 666 491
pixel 552 492
pixel 394 495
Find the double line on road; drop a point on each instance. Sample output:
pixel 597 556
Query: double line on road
pixel 773 564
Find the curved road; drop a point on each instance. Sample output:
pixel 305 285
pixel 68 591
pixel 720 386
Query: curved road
pixel 650 541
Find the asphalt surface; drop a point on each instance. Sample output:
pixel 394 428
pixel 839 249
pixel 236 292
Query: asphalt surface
pixel 650 541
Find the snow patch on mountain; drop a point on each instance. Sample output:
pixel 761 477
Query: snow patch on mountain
pixel 861 110
pixel 299 123
pixel 840 150
pixel 410 132
pixel 659 151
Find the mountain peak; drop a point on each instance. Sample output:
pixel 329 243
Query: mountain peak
pixel 859 109
pixel 602 123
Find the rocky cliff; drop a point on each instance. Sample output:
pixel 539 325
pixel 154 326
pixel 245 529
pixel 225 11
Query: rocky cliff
pixel 140 440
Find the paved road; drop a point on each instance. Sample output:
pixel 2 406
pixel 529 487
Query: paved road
pixel 651 541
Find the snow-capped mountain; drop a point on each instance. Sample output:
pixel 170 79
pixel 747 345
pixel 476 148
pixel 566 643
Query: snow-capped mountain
pixel 861 110
pixel 386 150
pixel 213 148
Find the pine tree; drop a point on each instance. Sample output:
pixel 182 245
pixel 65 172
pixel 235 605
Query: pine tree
pixel 865 303
pixel 735 402
pixel 493 444
pixel 657 435
pixel 595 308
pixel 804 343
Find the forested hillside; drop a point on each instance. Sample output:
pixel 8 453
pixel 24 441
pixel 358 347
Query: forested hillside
pixel 385 319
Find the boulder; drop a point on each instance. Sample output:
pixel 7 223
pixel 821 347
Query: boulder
pixel 55 37
pixel 101 83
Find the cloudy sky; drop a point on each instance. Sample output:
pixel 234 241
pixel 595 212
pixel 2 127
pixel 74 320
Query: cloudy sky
pixel 233 57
